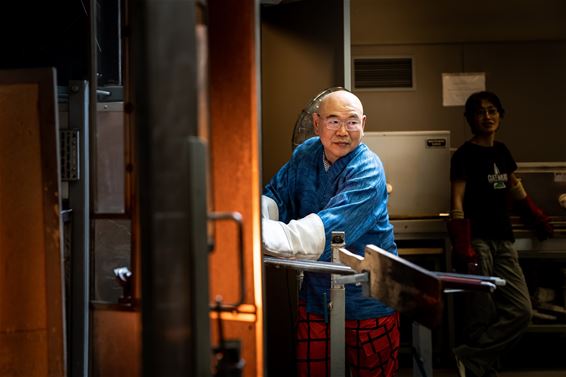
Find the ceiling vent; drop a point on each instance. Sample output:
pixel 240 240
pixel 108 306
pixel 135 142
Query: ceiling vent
pixel 383 73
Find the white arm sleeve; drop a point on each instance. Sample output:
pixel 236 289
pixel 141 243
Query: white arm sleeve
pixel 302 239
pixel 269 209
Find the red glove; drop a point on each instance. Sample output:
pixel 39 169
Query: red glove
pixel 534 218
pixel 465 259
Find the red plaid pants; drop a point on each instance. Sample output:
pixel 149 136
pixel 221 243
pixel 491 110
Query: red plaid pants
pixel 372 345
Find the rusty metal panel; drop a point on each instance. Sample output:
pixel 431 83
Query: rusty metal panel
pixel 234 143
pixel 32 340
pixel 116 340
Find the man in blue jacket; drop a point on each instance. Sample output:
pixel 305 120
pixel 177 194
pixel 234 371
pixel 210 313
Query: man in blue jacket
pixel 333 182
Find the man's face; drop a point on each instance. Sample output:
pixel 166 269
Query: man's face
pixel 340 123
pixel 486 119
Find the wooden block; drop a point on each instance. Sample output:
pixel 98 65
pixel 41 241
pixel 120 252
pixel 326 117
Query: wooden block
pixel 400 284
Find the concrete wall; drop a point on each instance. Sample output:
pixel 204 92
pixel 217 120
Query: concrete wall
pixel 520 45
pixel 446 21
pixel 301 55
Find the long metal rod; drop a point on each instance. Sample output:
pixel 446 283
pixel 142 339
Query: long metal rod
pixel 79 202
pixel 311 266
pixel 489 279
pixel 337 313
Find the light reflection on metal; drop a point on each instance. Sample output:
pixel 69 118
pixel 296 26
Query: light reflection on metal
pixel 311 266
pixel 234 316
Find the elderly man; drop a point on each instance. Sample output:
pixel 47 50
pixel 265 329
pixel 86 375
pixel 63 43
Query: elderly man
pixel 333 182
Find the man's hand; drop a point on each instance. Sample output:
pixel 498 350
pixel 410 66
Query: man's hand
pixel 531 215
pixel 534 218
pixel 464 257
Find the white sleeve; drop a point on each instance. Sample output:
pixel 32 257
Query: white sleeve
pixel 302 239
pixel 269 209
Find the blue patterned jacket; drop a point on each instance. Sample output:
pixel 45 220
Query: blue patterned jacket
pixel 351 197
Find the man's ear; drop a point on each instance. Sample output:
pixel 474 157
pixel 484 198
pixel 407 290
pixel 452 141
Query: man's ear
pixel 316 123
pixel 364 117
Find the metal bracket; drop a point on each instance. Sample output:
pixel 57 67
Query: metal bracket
pixel 69 149
pixel 357 279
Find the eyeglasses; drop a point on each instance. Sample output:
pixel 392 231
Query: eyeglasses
pixel 334 124
pixel 491 111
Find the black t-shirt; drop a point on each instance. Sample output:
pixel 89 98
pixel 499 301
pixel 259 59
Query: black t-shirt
pixel 486 171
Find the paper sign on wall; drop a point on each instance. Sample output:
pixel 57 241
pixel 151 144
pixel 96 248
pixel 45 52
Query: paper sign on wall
pixel 457 87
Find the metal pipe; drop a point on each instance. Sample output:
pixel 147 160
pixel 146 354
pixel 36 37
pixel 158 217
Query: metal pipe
pixel 237 218
pixel 490 279
pixel 337 312
pixel 310 266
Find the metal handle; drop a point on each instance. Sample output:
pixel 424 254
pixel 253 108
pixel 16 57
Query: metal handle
pixel 236 217
pixel 105 93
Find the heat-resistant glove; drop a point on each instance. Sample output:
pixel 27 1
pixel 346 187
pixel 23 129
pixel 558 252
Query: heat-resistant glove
pixel 302 239
pixel 464 257
pixel 534 218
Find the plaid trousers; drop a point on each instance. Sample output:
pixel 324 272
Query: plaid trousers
pixel 372 345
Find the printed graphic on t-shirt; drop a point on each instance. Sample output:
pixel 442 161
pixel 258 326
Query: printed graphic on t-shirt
pixel 497 179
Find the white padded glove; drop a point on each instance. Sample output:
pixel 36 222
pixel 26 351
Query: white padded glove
pixel 301 239
pixel 269 209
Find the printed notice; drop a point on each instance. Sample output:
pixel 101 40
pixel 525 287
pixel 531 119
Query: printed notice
pixel 457 87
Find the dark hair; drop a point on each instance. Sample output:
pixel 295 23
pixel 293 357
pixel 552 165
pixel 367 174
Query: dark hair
pixel 473 103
